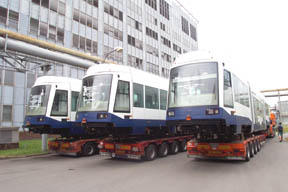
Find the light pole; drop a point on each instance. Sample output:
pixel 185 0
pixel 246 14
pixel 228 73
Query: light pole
pixel 116 49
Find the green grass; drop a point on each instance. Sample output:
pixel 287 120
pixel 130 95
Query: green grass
pixel 285 129
pixel 26 147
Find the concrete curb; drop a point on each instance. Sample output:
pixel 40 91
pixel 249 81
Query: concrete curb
pixel 24 156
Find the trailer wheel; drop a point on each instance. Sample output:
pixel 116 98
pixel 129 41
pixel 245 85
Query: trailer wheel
pixel 248 156
pixel 163 150
pixel 251 146
pixel 259 145
pixel 183 146
pixel 255 147
pixel 89 149
pixel 174 147
pixel 150 152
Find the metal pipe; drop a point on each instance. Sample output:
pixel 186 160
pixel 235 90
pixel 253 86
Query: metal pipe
pixel 29 49
pixel 274 90
pixel 47 45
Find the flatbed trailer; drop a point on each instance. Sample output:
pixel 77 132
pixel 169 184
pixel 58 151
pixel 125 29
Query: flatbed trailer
pixel 143 149
pixel 243 149
pixel 75 146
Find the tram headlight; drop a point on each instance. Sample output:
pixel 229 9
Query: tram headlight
pixel 102 116
pixel 213 111
pixel 171 114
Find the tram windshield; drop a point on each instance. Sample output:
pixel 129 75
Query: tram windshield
pixel 95 93
pixel 38 100
pixel 193 85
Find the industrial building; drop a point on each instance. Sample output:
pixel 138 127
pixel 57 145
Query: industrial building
pixel 151 32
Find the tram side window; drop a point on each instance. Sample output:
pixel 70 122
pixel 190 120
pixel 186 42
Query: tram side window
pixel 241 92
pixel 163 99
pixel 138 95
pixel 60 103
pixel 122 100
pixel 74 99
pixel 151 98
pixel 228 95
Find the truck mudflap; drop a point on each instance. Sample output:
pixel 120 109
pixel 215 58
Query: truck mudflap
pixel 230 151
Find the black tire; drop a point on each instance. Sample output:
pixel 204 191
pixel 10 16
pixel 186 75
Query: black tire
pixel 163 150
pixel 183 146
pixel 150 152
pixel 248 154
pixel 251 146
pixel 255 147
pixel 89 149
pixel 259 145
pixel 174 147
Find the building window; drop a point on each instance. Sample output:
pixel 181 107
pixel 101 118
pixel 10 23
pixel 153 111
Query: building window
pixel 75 40
pixel 1 77
pixel 60 35
pixel 150 67
pixel 151 33
pixel 95 47
pixel 13 19
pixel 7 113
pixel 177 48
pixel 135 42
pixel 151 98
pixel 135 62
pixel 166 42
pixel 36 2
pixel 93 2
pixel 152 50
pixel 164 9
pixel 52 32
pixel 34 26
pixel 135 24
pixel 82 43
pixel 165 72
pixel 43 29
pixel 162 26
pixel 3 15
pixel 61 8
pixel 193 33
pixel 109 9
pixel 45 3
pixel 113 32
pixel 185 25
pixel 138 95
pixel 166 57
pixel 152 3
pixel 9 78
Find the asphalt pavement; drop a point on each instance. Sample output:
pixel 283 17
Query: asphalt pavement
pixel 266 172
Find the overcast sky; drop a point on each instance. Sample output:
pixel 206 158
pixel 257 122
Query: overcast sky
pixel 251 35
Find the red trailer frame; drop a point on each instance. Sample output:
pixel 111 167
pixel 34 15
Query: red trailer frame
pixel 79 147
pixel 143 149
pixel 236 150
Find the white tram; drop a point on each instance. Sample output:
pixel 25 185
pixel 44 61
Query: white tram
pixel 122 100
pixel 208 100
